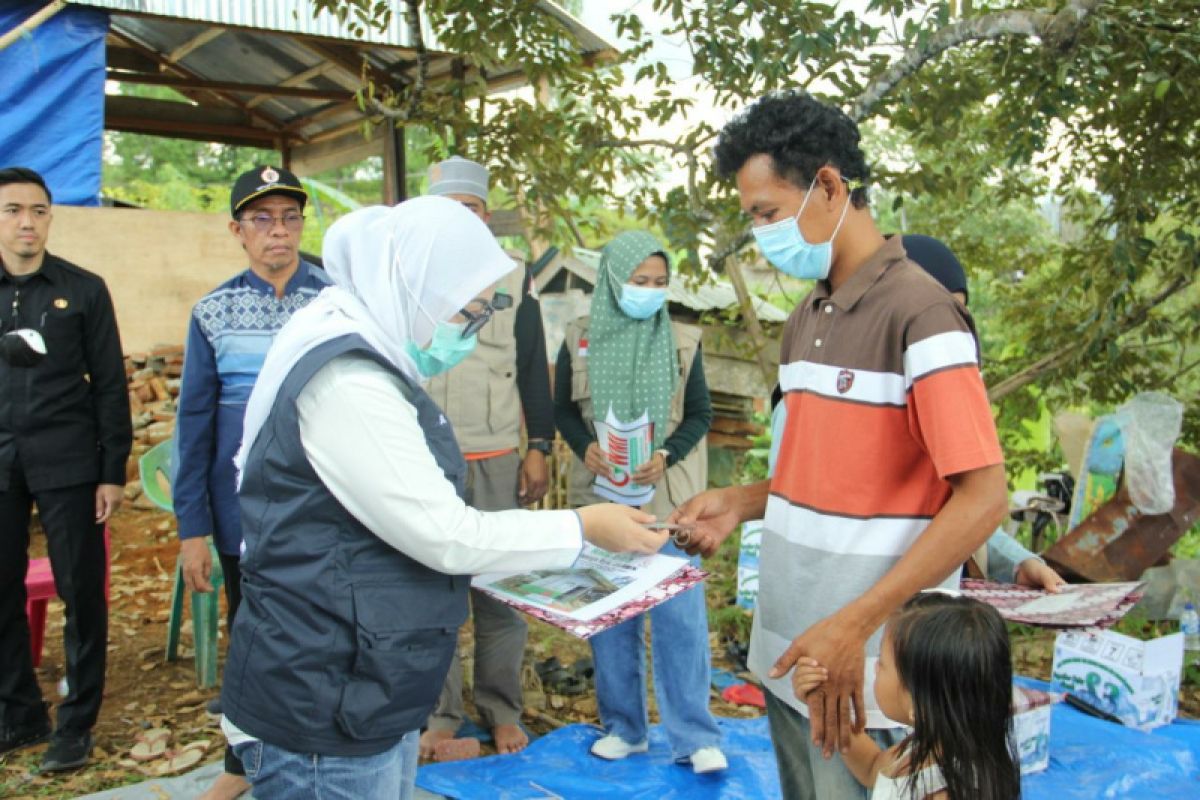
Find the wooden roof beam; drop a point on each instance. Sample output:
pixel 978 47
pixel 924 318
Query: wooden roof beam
pixel 295 80
pixel 193 44
pixel 184 121
pixel 183 71
pixel 344 60
pixel 227 86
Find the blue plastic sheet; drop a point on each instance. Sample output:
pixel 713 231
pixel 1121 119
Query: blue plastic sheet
pixel 559 765
pixel 1089 759
pixel 52 99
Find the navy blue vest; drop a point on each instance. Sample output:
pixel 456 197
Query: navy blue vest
pixel 342 642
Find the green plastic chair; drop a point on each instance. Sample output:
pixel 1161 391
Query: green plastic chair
pixel 155 469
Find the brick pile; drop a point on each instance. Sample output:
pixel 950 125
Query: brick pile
pixel 154 378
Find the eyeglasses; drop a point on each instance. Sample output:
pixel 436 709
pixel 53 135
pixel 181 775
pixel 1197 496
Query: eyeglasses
pixel 265 223
pixel 477 319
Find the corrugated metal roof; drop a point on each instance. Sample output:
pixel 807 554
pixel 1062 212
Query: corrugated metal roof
pixel 284 16
pixel 299 17
pixel 716 296
pixel 227 56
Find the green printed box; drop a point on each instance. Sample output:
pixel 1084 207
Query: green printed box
pixel 1136 681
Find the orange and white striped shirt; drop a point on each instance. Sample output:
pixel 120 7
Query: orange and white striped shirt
pixel 884 401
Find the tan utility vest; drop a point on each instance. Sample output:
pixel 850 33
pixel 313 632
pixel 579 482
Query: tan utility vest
pixel 479 396
pixel 685 479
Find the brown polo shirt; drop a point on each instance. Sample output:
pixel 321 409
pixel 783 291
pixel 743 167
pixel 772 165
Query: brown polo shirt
pixel 884 402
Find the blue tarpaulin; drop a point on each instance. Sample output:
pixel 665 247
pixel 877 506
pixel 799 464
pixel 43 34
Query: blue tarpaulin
pixel 52 99
pixel 1089 759
pixel 559 766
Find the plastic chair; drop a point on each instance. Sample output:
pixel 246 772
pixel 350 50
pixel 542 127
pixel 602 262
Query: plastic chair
pixel 156 470
pixel 40 588
pixel 205 618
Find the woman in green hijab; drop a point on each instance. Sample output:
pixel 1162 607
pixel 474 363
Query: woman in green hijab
pixel 629 365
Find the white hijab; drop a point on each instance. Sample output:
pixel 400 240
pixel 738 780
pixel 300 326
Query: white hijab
pixel 397 272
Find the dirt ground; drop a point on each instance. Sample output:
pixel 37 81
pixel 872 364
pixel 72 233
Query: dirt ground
pixel 145 692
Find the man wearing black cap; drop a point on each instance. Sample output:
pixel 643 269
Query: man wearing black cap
pixel 65 436
pixel 231 329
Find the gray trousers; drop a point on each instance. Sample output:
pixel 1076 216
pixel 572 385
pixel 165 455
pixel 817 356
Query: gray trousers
pixel 500 631
pixel 804 773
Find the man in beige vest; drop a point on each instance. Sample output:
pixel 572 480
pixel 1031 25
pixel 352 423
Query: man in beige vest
pixel 484 397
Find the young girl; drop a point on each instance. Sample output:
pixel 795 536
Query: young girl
pixel 945 671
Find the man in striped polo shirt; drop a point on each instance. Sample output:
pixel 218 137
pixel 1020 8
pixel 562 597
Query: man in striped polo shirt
pixel 889 475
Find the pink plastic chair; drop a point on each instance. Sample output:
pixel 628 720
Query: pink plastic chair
pixel 39 588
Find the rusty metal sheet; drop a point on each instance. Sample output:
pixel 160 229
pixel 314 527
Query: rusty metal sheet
pixel 1118 543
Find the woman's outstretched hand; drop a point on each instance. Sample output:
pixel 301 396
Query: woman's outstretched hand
pixel 621 529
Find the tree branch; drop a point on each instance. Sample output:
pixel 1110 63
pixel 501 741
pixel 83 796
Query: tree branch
pixel 416 91
pixel 1056 30
pixel 674 147
pixel 1064 355
pixel 412 16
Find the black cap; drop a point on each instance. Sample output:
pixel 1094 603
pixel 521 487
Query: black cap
pixel 262 181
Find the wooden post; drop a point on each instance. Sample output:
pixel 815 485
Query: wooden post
pixel 757 338
pixel 31 24
pixel 394 189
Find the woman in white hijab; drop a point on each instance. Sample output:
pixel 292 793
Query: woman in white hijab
pixel 357 544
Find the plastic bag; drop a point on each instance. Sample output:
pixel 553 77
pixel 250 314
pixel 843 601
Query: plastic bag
pixel 1154 421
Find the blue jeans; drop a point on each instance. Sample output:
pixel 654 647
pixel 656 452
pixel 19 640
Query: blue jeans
pixel 804 773
pixel 278 773
pixel 682 672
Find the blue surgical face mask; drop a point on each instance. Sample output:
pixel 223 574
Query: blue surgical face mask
pixel 784 245
pixel 641 302
pixel 447 348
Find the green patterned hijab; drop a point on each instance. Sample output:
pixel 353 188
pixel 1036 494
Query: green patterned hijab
pixel 632 364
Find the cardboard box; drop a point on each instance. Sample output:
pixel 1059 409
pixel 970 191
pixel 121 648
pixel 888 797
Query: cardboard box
pixel 747 570
pixel 1031 727
pixel 1136 681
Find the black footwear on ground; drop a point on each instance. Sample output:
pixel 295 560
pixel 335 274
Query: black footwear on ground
pixel 23 736
pixel 213 709
pixel 67 751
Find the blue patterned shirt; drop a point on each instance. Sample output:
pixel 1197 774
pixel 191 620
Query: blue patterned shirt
pixel 231 329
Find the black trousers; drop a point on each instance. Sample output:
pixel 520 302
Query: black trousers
pixel 231 567
pixel 76 547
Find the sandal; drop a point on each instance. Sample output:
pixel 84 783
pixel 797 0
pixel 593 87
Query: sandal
pixel 584 668
pixel 151 744
pixel 738 653
pixel 544 668
pixel 565 682
pixel 182 760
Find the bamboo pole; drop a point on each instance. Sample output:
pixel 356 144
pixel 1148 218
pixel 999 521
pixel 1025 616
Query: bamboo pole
pixel 31 24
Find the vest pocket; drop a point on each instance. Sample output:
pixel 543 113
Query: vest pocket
pixel 404 639
pixel 580 388
pixel 503 400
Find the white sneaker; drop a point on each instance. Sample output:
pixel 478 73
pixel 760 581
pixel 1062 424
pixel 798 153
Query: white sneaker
pixel 708 759
pixel 614 748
